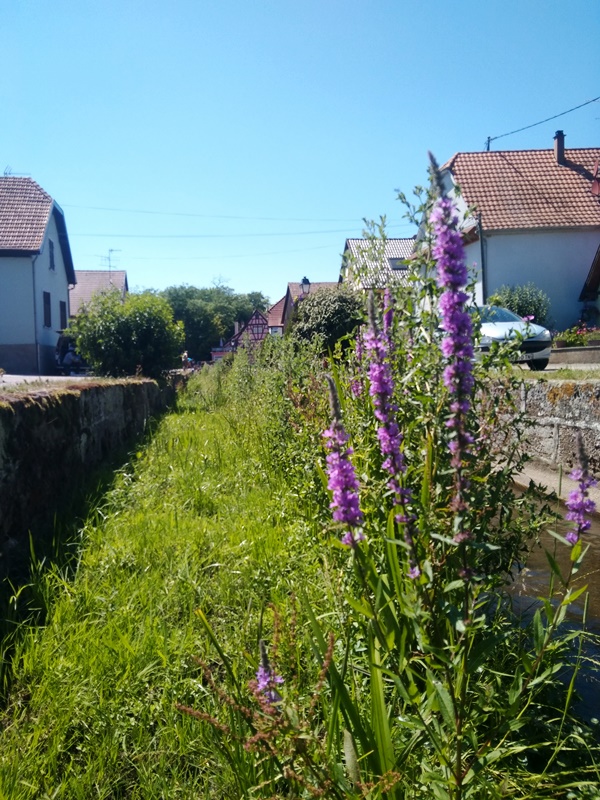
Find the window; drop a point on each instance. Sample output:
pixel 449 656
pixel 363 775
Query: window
pixel 51 254
pixel 397 263
pixel 47 311
pixel 63 315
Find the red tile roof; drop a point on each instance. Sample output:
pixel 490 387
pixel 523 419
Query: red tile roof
pixel 90 281
pixel 528 188
pixel 24 212
pixel 276 314
pixel 295 289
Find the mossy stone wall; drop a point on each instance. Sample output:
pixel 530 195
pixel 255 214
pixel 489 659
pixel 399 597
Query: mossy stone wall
pixel 51 441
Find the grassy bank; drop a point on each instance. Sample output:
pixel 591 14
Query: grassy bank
pixel 193 521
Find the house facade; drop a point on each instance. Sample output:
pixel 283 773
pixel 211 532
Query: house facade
pixel 376 263
pixel 36 270
pixel 536 219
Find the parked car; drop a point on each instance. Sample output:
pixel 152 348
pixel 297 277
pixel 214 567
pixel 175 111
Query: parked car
pixel 501 325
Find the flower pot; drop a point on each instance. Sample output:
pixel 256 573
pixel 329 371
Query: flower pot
pixel 558 343
pixel 593 342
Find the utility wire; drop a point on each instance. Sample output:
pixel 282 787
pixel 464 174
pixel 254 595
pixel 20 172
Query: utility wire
pixel 204 216
pixel 535 124
pixel 213 235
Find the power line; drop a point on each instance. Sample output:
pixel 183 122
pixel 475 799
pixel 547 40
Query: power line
pixel 535 124
pixel 212 235
pixel 206 216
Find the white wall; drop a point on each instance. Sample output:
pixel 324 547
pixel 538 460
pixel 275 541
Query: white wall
pixel 53 281
pixel 557 261
pixel 16 301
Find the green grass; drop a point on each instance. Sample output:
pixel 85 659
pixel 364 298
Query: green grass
pixel 562 374
pixel 189 524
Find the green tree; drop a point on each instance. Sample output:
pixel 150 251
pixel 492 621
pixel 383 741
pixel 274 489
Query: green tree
pixel 328 314
pixel 209 314
pixel 138 335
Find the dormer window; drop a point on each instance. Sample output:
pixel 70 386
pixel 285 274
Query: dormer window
pixel 397 263
pixel 51 254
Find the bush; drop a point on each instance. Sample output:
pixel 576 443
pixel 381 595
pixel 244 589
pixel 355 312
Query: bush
pixel 527 300
pixel 328 314
pixel 138 336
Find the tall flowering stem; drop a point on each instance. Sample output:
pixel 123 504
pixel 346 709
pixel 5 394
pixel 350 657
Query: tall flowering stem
pixel 580 506
pixel 342 480
pixel 378 345
pixel 457 344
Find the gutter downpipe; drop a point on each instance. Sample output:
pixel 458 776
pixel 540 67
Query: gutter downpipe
pixel 35 333
pixel 483 259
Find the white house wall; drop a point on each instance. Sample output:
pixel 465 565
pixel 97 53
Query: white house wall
pixel 556 261
pixel 16 301
pixel 26 344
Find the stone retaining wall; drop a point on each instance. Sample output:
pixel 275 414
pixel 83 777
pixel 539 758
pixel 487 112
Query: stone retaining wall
pixel 50 441
pixel 560 411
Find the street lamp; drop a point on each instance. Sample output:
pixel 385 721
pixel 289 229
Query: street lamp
pixel 305 286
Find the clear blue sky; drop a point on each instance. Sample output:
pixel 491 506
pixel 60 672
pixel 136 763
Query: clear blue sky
pixel 243 142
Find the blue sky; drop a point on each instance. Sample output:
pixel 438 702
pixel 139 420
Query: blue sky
pixel 242 143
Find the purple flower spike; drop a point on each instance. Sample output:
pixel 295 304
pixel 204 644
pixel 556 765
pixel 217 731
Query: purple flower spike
pixel 266 679
pixel 342 480
pixel 580 506
pixel 457 345
pixel 378 345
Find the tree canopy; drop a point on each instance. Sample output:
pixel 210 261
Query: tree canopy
pixel 138 335
pixel 208 315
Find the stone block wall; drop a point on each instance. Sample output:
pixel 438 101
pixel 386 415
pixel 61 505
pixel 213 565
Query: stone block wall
pixel 560 411
pixel 52 439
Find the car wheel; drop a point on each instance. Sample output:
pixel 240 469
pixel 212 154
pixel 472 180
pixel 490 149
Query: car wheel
pixel 539 365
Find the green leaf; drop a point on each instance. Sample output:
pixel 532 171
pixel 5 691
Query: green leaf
pixel 538 632
pixel 380 720
pixel 446 705
pixel 360 605
pixel 554 567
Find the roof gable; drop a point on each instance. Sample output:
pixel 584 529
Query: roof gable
pixel 515 189
pixel 25 210
pixel 92 281
pixel 377 263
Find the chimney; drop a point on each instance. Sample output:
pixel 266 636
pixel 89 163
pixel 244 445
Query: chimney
pixel 559 147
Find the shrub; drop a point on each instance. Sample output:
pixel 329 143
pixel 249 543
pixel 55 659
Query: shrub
pixel 525 300
pixel 327 314
pixel 137 336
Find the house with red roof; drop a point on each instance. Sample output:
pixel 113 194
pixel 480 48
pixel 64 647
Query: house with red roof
pixel 36 270
pixel 535 218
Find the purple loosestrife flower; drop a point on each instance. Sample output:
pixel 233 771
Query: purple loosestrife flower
pixel 457 345
pixel 580 506
pixel 378 345
pixel 266 679
pixel 342 480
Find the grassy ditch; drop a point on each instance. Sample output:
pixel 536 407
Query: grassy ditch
pixel 192 522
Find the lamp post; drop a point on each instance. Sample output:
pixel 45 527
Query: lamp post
pixel 305 286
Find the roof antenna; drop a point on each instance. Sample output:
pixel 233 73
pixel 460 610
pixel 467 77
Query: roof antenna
pixel 7 170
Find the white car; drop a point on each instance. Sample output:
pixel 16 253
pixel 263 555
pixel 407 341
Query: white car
pixel 501 325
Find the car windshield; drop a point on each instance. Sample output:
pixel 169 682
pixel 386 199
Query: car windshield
pixel 497 314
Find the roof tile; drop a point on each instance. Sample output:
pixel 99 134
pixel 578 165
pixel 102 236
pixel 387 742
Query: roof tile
pixel 24 212
pixel 528 188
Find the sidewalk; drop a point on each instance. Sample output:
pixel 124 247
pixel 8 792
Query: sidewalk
pixel 551 478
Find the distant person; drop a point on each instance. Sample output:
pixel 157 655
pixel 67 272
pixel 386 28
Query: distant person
pixel 71 361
